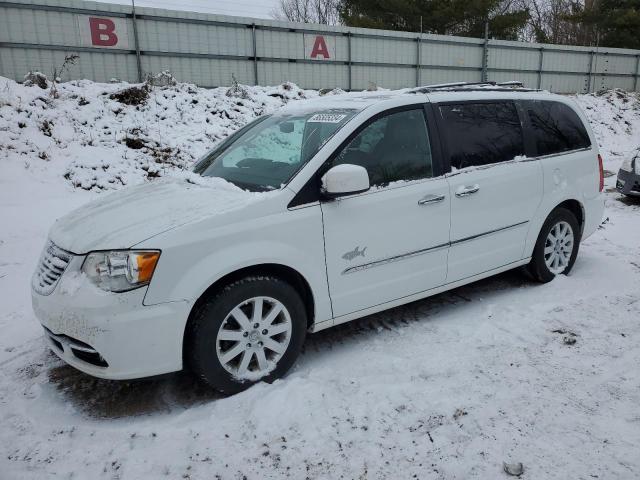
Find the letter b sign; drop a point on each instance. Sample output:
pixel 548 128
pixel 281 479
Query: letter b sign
pixel 103 32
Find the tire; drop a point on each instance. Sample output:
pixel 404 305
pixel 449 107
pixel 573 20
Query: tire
pixel 218 338
pixel 539 267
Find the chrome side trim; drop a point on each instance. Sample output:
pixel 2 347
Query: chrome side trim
pixel 474 168
pixel 568 152
pixel 417 296
pixel 514 161
pixel 395 258
pixel 490 232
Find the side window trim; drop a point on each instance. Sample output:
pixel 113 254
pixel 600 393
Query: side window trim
pixel 439 157
pixel 442 138
pixel 566 152
pixel 530 149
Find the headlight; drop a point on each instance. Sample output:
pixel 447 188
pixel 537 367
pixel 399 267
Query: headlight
pixel 120 270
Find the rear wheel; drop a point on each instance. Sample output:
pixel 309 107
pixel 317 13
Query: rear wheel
pixel 557 246
pixel 250 331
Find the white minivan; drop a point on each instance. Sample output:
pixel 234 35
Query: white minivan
pixel 325 211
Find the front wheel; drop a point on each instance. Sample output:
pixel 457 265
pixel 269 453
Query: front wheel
pixel 557 246
pixel 252 330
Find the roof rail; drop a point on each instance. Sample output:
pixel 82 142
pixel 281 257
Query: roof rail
pixel 514 85
pixel 454 85
pixel 511 83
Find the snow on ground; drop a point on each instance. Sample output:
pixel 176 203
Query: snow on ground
pixel 445 388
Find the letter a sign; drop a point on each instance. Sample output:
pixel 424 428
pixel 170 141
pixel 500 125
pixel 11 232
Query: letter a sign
pixel 319 47
pixel 103 32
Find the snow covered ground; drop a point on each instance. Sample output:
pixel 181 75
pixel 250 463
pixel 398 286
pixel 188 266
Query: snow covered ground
pixel 445 388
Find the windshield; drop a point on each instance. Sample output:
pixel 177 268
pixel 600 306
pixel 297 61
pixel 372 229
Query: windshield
pixel 267 153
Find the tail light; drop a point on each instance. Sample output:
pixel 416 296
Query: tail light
pixel 601 168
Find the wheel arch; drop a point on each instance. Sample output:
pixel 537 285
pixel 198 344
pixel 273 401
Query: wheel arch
pixel 575 207
pixel 283 272
pixel 536 267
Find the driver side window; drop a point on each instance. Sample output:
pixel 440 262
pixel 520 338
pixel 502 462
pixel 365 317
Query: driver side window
pixel 392 148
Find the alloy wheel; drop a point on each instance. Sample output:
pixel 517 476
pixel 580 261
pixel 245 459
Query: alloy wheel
pixel 253 338
pixel 558 247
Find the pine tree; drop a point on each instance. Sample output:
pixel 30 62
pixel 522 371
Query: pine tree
pixel 445 17
pixel 611 23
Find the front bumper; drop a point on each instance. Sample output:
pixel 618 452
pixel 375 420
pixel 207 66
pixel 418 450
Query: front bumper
pixel 628 183
pixel 111 335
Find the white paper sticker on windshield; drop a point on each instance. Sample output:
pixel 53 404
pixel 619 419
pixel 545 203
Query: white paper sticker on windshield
pixel 326 118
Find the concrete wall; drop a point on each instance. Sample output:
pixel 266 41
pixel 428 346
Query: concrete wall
pixel 209 49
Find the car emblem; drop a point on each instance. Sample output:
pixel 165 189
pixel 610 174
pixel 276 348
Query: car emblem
pixel 354 253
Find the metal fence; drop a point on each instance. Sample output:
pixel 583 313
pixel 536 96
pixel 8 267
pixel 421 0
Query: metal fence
pixel 114 41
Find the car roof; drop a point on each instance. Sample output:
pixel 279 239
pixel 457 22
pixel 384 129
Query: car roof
pixel 452 96
pixel 356 101
pixel 359 101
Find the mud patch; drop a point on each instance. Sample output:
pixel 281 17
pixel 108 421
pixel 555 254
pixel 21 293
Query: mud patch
pixel 110 399
pixel 134 143
pixel 132 95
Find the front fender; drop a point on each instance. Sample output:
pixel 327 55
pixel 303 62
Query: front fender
pixel 292 238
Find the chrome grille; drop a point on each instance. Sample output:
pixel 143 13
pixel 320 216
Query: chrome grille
pixel 53 262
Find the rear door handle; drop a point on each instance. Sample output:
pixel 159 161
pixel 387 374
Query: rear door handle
pixel 467 190
pixel 428 199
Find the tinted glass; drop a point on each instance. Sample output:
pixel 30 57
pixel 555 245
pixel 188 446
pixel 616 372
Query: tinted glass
pixel 392 148
pixel 267 153
pixel 482 133
pixel 556 127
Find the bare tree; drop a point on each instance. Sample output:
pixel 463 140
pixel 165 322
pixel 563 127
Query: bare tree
pixel 324 12
pixel 554 21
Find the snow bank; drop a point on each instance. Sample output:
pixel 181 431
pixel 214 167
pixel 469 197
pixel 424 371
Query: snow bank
pixel 101 136
pixel 98 139
pixel 615 119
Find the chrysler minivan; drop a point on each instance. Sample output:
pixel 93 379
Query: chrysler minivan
pixel 323 212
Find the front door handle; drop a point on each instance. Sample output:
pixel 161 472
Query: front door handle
pixel 428 199
pixel 467 190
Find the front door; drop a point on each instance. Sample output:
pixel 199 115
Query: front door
pixel 495 189
pixel 392 240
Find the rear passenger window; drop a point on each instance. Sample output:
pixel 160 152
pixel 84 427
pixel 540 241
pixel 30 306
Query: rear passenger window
pixel 556 127
pixel 391 148
pixel 482 133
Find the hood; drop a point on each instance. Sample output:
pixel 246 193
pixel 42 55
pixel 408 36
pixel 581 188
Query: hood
pixel 122 219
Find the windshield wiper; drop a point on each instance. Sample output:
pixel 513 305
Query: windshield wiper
pixel 250 186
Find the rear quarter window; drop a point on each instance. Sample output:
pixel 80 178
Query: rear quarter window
pixel 482 133
pixel 556 127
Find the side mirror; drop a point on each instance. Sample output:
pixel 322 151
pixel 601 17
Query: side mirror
pixel 345 179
